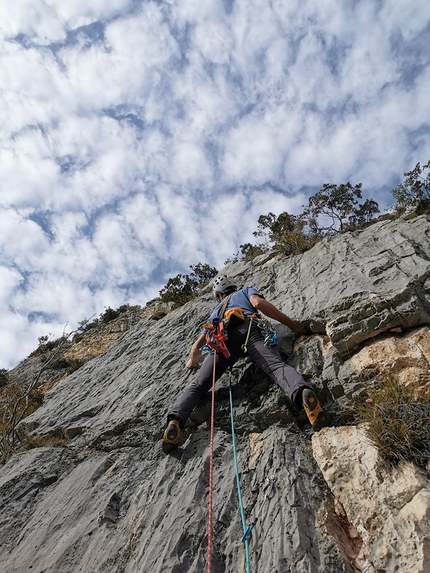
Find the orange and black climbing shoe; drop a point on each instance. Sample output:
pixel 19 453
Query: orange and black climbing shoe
pixel 171 436
pixel 314 411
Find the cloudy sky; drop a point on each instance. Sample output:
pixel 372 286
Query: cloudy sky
pixel 141 137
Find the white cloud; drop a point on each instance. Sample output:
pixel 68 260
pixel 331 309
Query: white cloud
pixel 139 139
pixel 81 13
pixel 46 22
pixel 253 151
pixel 189 164
pixel 31 85
pixel 143 215
pixel 38 20
pixel 20 238
pixel 403 15
pixel 17 337
pixel 123 68
pixel 10 280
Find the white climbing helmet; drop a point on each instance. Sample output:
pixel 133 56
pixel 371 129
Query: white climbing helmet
pixel 224 284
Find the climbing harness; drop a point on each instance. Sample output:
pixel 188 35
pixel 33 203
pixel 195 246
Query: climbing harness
pixel 216 336
pixel 216 331
pixel 211 467
pixel 267 330
pixel 217 328
pixel 245 344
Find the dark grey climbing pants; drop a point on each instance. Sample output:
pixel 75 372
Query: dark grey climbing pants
pixel 266 357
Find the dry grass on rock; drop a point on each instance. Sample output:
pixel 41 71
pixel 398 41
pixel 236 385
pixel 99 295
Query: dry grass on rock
pixel 398 420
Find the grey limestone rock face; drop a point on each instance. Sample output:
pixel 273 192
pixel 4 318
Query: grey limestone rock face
pixel 357 285
pixel 111 501
pixel 388 508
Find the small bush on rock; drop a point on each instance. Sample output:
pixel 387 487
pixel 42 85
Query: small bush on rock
pixel 398 421
pixel 3 377
pixel 71 364
pixel 57 438
pixel 183 288
pixel 413 195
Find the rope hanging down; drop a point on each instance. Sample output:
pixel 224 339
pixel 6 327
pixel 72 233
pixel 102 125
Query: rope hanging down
pixel 211 466
pixel 246 530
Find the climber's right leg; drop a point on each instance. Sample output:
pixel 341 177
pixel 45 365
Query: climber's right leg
pixel 189 399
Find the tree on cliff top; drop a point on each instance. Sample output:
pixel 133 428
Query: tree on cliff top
pixel 340 204
pixel 293 234
pixel 285 232
pixel 413 195
pixel 183 288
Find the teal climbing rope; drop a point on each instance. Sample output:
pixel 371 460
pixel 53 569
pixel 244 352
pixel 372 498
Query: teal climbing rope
pixel 246 530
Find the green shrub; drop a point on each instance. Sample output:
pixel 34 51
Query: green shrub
pixel 183 288
pixel 16 403
pixel 413 195
pixel 398 421
pixel 86 326
pixel 3 377
pixel 340 204
pixel 285 232
pixel 57 438
pixel 74 364
pixel 71 364
pixel 108 315
pixel 77 338
pixel 58 364
pixel 249 251
pixel 46 345
pixel 179 290
pixel 290 234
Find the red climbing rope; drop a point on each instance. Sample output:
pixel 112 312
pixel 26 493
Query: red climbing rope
pixel 211 468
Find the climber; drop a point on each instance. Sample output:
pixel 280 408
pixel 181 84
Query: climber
pixel 249 334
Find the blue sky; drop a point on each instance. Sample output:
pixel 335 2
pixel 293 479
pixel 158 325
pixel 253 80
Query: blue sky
pixel 139 138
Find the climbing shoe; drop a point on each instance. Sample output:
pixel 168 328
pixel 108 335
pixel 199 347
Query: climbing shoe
pixel 314 411
pixel 171 434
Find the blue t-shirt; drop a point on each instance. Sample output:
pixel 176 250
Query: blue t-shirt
pixel 239 298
